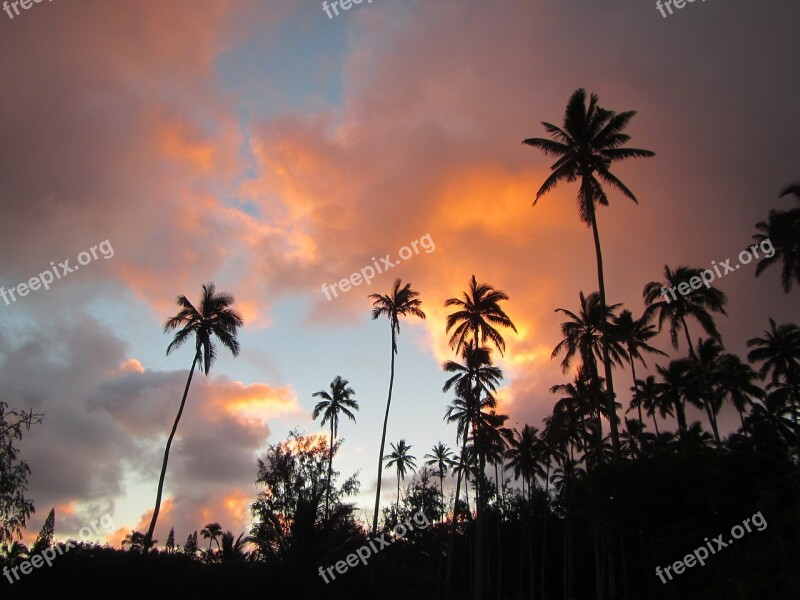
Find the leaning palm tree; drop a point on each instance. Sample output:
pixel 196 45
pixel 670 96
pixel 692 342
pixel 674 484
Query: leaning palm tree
pixel 634 334
pixel 442 458
pixel 477 315
pixel 782 230
pixel 586 147
pixel 211 532
pixel 339 400
pixel 402 461
pixel 400 302
pixel 699 304
pixel 213 318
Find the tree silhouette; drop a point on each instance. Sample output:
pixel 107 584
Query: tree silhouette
pixel 400 302
pixel 214 318
pixel 339 400
pixel 586 146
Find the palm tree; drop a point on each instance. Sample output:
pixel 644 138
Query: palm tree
pixel 400 302
pixel 339 400
pixel 477 316
pixel 782 230
pixel 583 336
pixel 699 304
pixel 647 394
pixel 402 461
pixel 211 532
pixel 587 145
pixel 778 351
pixel 213 319
pixel 232 550
pixel 136 541
pixel 673 389
pixel 442 457
pixel 634 334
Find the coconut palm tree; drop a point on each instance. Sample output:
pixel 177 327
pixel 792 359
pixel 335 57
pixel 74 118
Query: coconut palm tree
pixel 211 532
pixel 782 230
pixel 698 304
pixel 339 400
pixel 213 318
pixel 400 302
pixel 647 395
pixel 586 146
pixel 673 389
pixel 136 541
pixel 479 312
pixel 633 335
pixel 402 461
pixel 778 351
pixel 442 457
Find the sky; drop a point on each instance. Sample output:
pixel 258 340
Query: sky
pixel 271 149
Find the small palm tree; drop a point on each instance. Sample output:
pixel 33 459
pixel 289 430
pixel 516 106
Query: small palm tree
pixel 400 302
pixel 586 146
pixel 778 351
pixel 136 541
pixel 402 461
pixel 211 532
pixel 698 305
pixel 442 458
pixel 782 229
pixel 213 318
pixel 634 334
pixel 339 400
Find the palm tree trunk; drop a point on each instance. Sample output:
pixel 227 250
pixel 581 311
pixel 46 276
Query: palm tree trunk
pixel 455 519
pixel 544 529
pixel 330 465
pixel 655 423
pixel 612 412
pixel 383 439
pixel 397 502
pixel 688 338
pixel 633 374
pixel 149 535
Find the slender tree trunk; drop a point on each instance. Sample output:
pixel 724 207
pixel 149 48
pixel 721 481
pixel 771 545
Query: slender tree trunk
pixel 149 535
pixel 383 439
pixel 455 519
pixel 633 374
pixel 655 424
pixel 612 410
pixel 544 531
pixel 330 466
pixel 692 353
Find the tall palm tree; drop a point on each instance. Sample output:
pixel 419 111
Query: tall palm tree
pixel 339 400
pixel 402 461
pixel 400 302
pixel 213 318
pixel 477 315
pixel 211 532
pixel 782 229
pixel 699 304
pixel 633 335
pixel 586 146
pixel 442 458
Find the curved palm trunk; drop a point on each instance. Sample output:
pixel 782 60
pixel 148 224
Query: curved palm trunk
pixel 330 465
pixel 149 535
pixel 383 440
pixel 681 416
pixel 688 338
pixel 612 412
pixel 655 423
